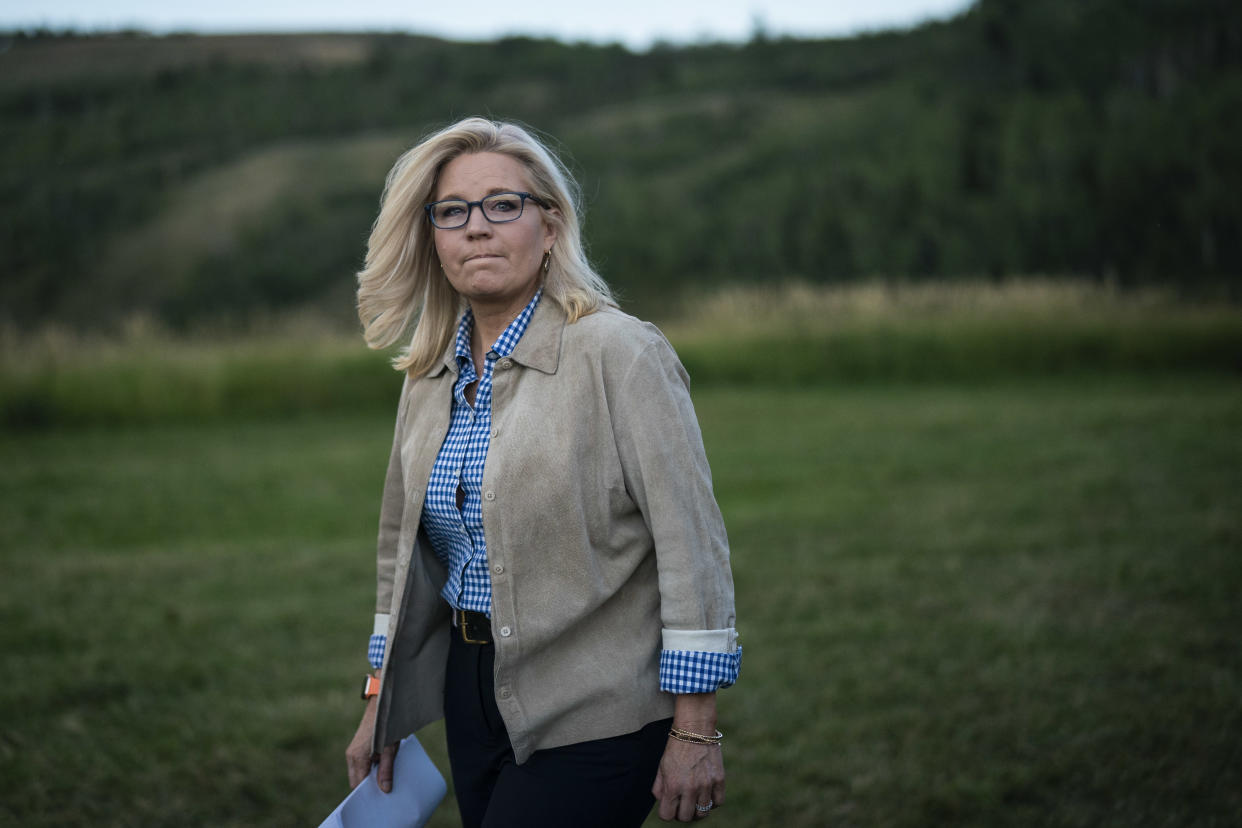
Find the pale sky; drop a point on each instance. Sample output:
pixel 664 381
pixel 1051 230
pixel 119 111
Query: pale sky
pixel 636 23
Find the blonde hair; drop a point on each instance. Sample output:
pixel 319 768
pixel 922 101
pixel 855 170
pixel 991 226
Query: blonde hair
pixel 401 281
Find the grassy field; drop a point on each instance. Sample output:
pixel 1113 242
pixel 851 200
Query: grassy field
pixel 970 604
pixel 967 331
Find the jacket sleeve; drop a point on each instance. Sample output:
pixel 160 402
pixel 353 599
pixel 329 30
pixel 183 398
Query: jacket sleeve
pixel 667 475
pixel 391 508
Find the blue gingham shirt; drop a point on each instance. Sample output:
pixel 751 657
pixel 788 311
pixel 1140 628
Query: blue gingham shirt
pixel 456 534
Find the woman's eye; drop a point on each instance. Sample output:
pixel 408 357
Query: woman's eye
pixel 503 205
pixel 450 210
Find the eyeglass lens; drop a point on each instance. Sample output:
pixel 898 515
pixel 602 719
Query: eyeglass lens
pixel 500 207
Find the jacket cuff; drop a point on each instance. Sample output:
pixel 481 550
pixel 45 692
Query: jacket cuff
pixel 381 624
pixel 702 641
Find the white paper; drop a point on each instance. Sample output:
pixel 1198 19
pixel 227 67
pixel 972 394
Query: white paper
pixel 417 788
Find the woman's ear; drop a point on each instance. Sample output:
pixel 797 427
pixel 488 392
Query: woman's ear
pixel 549 229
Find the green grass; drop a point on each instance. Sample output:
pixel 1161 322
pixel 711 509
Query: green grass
pixel 997 605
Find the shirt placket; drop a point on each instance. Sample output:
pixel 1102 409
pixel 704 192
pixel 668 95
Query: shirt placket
pixel 469 413
pixel 470 515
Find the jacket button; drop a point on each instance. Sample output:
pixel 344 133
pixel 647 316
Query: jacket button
pixel 490 495
pixel 506 363
pixel 505 632
pixel 506 693
pixel 498 569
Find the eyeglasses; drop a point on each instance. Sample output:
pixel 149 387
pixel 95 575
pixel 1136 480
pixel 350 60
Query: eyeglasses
pixel 497 208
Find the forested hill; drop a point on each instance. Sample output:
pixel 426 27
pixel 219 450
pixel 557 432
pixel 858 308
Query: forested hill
pixel 196 177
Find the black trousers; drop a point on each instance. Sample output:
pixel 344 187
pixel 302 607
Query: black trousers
pixel 606 782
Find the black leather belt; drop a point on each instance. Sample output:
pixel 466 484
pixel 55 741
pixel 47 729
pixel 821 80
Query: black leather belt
pixel 475 627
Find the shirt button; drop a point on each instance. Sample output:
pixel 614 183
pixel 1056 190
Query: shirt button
pixel 490 495
pixel 505 632
pixel 498 569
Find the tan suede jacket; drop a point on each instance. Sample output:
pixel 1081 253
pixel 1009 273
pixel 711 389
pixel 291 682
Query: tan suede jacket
pixel 603 536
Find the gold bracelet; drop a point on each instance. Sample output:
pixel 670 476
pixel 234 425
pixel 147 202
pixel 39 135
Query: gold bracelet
pixel 695 738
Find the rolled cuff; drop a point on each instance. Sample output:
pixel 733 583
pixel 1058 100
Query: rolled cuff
pixel 381 624
pixel 683 671
pixel 379 641
pixel 703 641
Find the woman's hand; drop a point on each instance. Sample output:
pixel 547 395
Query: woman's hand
pixel 359 758
pixel 691 775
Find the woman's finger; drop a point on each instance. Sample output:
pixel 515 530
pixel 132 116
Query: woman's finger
pixel 718 779
pixel 358 755
pixel 686 811
pixel 358 766
pixel 384 774
pixel 704 805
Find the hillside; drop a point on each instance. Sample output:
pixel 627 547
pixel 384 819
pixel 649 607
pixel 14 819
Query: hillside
pixel 199 178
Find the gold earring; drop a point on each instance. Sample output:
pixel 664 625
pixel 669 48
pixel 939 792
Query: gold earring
pixel 547 260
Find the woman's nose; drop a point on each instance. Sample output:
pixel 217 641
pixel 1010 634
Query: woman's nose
pixel 477 223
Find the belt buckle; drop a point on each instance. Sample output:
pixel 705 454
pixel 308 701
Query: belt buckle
pixel 464 624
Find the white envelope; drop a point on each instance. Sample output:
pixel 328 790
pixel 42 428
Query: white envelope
pixel 417 788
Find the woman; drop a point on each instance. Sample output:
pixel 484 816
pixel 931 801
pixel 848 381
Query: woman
pixel 553 572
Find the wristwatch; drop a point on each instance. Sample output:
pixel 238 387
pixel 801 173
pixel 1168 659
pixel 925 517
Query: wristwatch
pixel 370 687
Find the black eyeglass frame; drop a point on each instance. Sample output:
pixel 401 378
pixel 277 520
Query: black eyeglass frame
pixel 470 205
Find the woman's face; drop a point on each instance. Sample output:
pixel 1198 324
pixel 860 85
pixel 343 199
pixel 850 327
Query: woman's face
pixel 492 265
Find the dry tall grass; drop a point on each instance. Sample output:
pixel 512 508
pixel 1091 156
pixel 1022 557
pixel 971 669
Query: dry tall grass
pixel 972 331
pixel 748 310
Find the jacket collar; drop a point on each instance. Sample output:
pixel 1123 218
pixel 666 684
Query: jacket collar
pixel 539 347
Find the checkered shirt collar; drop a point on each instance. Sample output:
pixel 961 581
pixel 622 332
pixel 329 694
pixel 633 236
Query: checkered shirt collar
pixel 508 339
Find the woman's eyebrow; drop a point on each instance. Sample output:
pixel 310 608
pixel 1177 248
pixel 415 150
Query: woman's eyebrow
pixel 493 191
